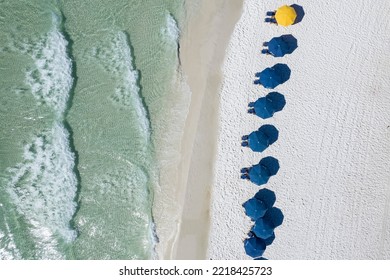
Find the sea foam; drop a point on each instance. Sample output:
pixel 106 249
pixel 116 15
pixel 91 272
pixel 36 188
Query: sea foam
pixel 50 79
pixel 171 30
pixel 8 249
pixel 43 186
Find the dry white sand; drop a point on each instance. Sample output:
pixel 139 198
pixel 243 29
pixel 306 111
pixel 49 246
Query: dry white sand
pixel 334 133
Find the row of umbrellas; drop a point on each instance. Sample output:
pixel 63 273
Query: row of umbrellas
pixel 260 208
pixel 266 218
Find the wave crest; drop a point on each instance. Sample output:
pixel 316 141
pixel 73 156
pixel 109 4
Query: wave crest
pixel 171 30
pixel 51 78
pixel 43 186
pixel 116 57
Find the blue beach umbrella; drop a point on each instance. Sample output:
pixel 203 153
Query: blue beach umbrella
pixel 259 140
pixel 255 208
pixel 285 44
pixel 274 76
pixel 254 247
pixel 269 78
pixel 265 107
pixel 259 174
pixel 263 228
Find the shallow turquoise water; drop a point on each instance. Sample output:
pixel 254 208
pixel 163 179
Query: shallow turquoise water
pixel 82 87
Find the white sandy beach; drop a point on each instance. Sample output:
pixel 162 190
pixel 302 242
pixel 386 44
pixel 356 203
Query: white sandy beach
pixel 334 150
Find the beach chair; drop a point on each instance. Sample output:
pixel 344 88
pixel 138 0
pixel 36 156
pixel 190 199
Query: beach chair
pixel 245 176
pixel 265 44
pixel 244 170
pixel 270 20
pixel 251 111
pixel 244 144
pixel 251 104
pixel 244 137
pixel 257 82
pixel 270 13
pixel 265 51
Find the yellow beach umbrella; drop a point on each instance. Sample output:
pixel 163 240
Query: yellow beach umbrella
pixel 285 15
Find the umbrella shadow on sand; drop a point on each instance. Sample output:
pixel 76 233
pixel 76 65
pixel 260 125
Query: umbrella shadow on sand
pixel 300 13
pixel 275 216
pixel 283 71
pixel 271 164
pixel 267 196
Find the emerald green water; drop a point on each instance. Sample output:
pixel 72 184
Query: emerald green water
pixel 83 89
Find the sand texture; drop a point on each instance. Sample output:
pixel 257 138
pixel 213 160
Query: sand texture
pixel 334 133
pixel 202 53
pixel 181 209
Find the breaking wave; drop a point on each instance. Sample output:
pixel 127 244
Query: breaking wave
pixel 8 249
pixel 43 187
pixel 51 77
pixel 171 30
pixel 117 59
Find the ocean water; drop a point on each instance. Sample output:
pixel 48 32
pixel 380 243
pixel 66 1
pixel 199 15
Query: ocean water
pixel 85 89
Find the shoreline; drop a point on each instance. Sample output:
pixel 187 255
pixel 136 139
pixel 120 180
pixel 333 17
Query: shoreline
pixel 202 54
pixel 187 178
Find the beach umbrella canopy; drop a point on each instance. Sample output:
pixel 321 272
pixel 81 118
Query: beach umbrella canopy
pixel 285 15
pixel 273 76
pixel 259 140
pixel 269 78
pixel 263 228
pixel 271 164
pixel 267 196
pixel 265 107
pixel 285 44
pixel 255 208
pixel 254 247
pixel 259 174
